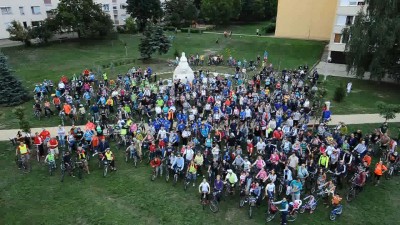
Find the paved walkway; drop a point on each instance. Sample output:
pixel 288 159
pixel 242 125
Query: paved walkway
pixel 348 119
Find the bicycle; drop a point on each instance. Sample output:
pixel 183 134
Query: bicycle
pixel 391 171
pixel 154 174
pixel 63 169
pixel 308 206
pixel 353 191
pixel 252 203
pixel 176 176
pixel 52 167
pixel 133 155
pixel 37 114
pixel 228 190
pixel 79 166
pixel 106 164
pixel 23 163
pixel 336 212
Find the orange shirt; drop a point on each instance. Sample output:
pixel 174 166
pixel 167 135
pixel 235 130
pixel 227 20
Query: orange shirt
pixel 379 168
pixel 67 109
pixel 367 159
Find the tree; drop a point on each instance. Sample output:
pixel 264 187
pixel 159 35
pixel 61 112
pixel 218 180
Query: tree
pixel 131 26
pixel 270 9
pixel 44 31
pixel 220 11
pixel 388 111
pixel 24 124
pixel 180 13
pixel 11 90
pixel 153 40
pixel 375 40
pixel 19 33
pixel 252 10
pixel 144 11
pixel 82 16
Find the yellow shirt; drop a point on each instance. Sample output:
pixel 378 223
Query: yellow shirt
pixel 109 155
pixel 23 149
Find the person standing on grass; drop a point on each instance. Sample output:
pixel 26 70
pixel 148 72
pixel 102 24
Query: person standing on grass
pixel 349 86
pixel 379 170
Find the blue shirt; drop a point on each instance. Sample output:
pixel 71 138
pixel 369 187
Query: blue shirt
pixel 179 162
pixel 295 184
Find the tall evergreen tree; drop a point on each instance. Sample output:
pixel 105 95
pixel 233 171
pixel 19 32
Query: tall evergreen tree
pixel 374 43
pixel 11 90
pixel 153 40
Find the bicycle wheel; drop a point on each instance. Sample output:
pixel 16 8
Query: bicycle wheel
pixel 302 209
pixel 62 173
pixel 214 206
pixel 292 217
pixel 126 158
pixel 80 172
pixel 105 171
pixel 167 176
pixel 175 179
pixel 135 161
pixel 280 189
pixel 389 173
pixel 242 202
pixel 269 217
pixel 332 216
pixel 250 211
pixel 350 196
pixel 185 185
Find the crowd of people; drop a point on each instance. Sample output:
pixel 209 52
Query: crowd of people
pixel 250 137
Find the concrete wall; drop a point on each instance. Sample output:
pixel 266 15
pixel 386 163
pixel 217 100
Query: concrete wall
pixel 305 19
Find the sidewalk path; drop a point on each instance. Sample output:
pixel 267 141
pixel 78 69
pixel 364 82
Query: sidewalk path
pixel 348 119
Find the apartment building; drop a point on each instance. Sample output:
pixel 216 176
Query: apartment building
pixel 31 12
pixel 346 12
pixel 305 19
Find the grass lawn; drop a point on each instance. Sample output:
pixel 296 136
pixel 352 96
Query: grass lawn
pixel 33 65
pixel 129 197
pixel 244 29
pixel 363 96
pixel 394 128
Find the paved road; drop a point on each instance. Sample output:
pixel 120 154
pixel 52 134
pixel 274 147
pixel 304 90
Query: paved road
pixel 348 119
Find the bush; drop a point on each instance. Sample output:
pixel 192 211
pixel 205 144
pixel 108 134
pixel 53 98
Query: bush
pixel 121 29
pixel 340 93
pixel 270 28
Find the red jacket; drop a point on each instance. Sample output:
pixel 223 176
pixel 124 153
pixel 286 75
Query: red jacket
pixel 37 140
pixel 45 134
pixel 278 134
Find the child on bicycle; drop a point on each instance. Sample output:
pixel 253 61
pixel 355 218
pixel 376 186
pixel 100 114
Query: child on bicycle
pixel 311 201
pixel 336 201
pixel 156 165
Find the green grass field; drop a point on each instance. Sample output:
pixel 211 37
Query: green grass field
pixel 127 196
pixel 363 96
pixel 250 28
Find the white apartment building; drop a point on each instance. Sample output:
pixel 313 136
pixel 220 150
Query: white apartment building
pixel 31 12
pixel 345 15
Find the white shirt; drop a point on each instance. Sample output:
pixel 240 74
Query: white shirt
pixel 248 112
pixel 260 145
pixel 158 110
pixel 204 186
pixel 189 154
pixel 270 187
pixel 162 133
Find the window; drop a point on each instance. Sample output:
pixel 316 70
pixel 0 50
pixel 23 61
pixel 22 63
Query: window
pixel 122 6
pixel 6 10
pixel 337 38
pixel 349 20
pixel 21 10
pixel 340 20
pixel 47 2
pixel 114 7
pixel 351 2
pixel 35 23
pixel 25 24
pixel 35 10
pixel 114 1
pixel 106 8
